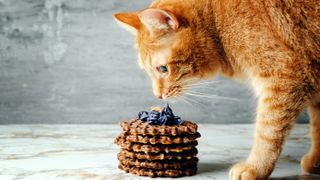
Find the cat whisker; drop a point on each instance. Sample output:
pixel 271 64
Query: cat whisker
pixel 189 82
pixel 194 101
pixel 171 100
pixel 199 85
pixel 199 88
pixel 212 96
pixel 184 99
pixel 208 82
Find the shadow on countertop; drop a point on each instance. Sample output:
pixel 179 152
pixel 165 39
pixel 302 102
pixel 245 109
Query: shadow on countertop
pixel 298 177
pixel 211 167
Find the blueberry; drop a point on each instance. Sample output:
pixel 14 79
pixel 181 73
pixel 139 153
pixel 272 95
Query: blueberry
pixel 167 110
pixel 178 120
pixel 153 121
pixel 143 115
pixel 165 117
pixel 163 120
pixel 154 115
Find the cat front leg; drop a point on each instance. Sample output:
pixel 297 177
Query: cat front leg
pixel 279 105
pixel 311 161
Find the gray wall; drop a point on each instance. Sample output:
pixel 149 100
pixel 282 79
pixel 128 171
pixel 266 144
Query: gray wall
pixel 67 61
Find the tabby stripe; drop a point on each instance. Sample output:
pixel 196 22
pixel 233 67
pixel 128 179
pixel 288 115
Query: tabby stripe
pixel 278 89
pixel 279 75
pixel 282 75
pixel 275 142
pixel 273 99
pixel 272 132
pixel 278 125
pixel 317 105
pixel 181 76
pixel 264 74
pixel 278 106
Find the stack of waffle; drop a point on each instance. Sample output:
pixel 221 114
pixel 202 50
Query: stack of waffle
pixel 158 150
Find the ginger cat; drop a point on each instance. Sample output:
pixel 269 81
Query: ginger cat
pixel 273 44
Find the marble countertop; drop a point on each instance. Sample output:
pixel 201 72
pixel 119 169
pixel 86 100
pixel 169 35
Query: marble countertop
pixel 38 152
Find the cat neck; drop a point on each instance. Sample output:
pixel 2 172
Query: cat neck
pixel 206 20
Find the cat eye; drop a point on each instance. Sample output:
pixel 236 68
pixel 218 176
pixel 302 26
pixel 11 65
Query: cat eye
pixel 163 69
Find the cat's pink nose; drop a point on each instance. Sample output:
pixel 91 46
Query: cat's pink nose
pixel 159 96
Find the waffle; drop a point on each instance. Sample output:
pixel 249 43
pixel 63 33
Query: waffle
pixel 148 148
pixel 137 126
pixel 158 173
pixel 159 156
pixel 158 144
pixel 161 139
pixel 164 164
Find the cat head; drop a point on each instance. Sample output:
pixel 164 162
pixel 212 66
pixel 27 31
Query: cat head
pixel 172 50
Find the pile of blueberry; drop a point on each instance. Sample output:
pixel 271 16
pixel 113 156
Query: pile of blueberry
pixel 165 117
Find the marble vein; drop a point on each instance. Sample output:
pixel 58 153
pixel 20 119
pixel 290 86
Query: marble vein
pixel 75 152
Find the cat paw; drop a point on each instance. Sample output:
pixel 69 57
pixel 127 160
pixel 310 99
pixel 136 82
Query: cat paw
pixel 242 171
pixel 311 163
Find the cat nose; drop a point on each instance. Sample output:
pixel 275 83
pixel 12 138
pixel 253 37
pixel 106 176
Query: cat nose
pixel 159 96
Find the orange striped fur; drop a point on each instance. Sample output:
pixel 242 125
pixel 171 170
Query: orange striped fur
pixel 274 44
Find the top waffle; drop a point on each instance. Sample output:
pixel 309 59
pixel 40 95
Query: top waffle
pixel 137 126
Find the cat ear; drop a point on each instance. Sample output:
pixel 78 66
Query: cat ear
pixel 129 21
pixel 157 19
